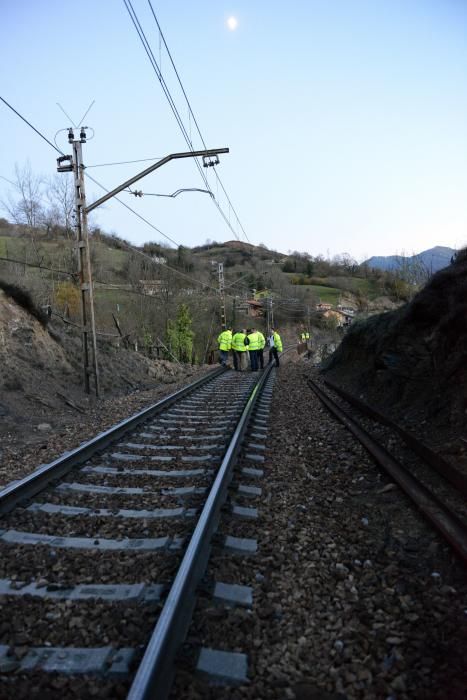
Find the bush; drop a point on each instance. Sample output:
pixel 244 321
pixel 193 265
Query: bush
pixel 67 297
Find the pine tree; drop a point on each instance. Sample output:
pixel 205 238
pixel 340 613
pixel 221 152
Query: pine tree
pixel 180 335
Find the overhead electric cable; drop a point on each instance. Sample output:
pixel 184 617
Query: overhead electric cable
pixel 9 181
pixel 139 252
pixel 157 70
pixel 124 162
pixel 133 211
pixel 41 267
pixel 32 127
pixel 192 114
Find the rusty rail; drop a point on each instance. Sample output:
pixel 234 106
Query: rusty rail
pixel 444 520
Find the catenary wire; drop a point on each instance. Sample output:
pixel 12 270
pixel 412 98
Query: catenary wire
pixel 9 181
pixel 124 162
pixel 133 211
pixel 139 252
pixel 193 115
pixel 145 255
pixel 219 181
pixel 192 279
pixel 32 127
pixel 152 60
pixel 89 176
pixel 156 68
pixel 41 267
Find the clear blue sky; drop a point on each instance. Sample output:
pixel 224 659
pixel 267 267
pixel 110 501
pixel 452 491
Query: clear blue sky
pixel 345 119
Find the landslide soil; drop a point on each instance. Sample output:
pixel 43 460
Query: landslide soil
pixel 43 408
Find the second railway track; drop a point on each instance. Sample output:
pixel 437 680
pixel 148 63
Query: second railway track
pixel 435 486
pixel 94 544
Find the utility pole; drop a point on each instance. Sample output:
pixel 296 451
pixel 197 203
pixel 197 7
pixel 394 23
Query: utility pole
pixel 75 165
pixel 269 314
pixel 220 272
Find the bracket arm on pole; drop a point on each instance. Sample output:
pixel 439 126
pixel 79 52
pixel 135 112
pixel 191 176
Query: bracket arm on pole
pixel 172 156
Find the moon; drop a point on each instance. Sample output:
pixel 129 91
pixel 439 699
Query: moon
pixel 232 23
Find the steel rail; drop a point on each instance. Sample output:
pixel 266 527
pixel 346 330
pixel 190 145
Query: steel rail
pixel 429 504
pixel 39 479
pixel 155 673
pixel 441 465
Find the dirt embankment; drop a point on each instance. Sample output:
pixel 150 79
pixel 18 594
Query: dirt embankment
pixel 41 380
pixel 412 363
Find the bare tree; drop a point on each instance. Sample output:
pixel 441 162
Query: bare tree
pixel 24 207
pixel 60 194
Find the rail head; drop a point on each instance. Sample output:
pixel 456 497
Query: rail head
pixel 457 478
pixel 155 673
pixel 437 512
pixel 33 483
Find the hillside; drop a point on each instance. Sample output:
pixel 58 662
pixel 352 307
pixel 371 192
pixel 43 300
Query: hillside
pixel 41 373
pixel 143 288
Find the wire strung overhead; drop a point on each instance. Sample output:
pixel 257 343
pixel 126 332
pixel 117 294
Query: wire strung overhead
pixel 178 118
pixel 161 34
pixel 127 245
pixel 32 127
pixel 138 193
pixel 124 204
pixel 123 162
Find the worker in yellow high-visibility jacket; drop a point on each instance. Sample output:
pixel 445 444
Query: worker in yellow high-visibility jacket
pixel 225 343
pixel 252 340
pixel 239 350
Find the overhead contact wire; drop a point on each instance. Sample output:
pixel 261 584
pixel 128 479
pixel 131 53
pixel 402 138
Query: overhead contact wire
pixel 166 91
pixel 32 127
pixel 193 115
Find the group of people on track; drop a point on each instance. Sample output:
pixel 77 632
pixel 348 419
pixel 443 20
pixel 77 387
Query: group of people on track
pixel 247 347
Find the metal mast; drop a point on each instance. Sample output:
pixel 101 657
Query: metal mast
pixel 220 272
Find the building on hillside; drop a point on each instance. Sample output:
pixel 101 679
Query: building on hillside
pixel 254 308
pixel 341 319
pixel 323 306
pixel 152 287
pixel 261 295
pixel 346 310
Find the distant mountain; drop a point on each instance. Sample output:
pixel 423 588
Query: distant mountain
pixel 433 259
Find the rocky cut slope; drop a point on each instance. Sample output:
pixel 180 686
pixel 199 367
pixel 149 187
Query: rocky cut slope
pixel 412 363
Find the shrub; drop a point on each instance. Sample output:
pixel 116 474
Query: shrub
pixel 67 298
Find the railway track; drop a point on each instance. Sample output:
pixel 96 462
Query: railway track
pixel 435 486
pixel 103 549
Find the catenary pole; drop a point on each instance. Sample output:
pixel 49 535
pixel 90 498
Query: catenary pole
pixel 88 323
pixel 220 270
pixel 75 164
